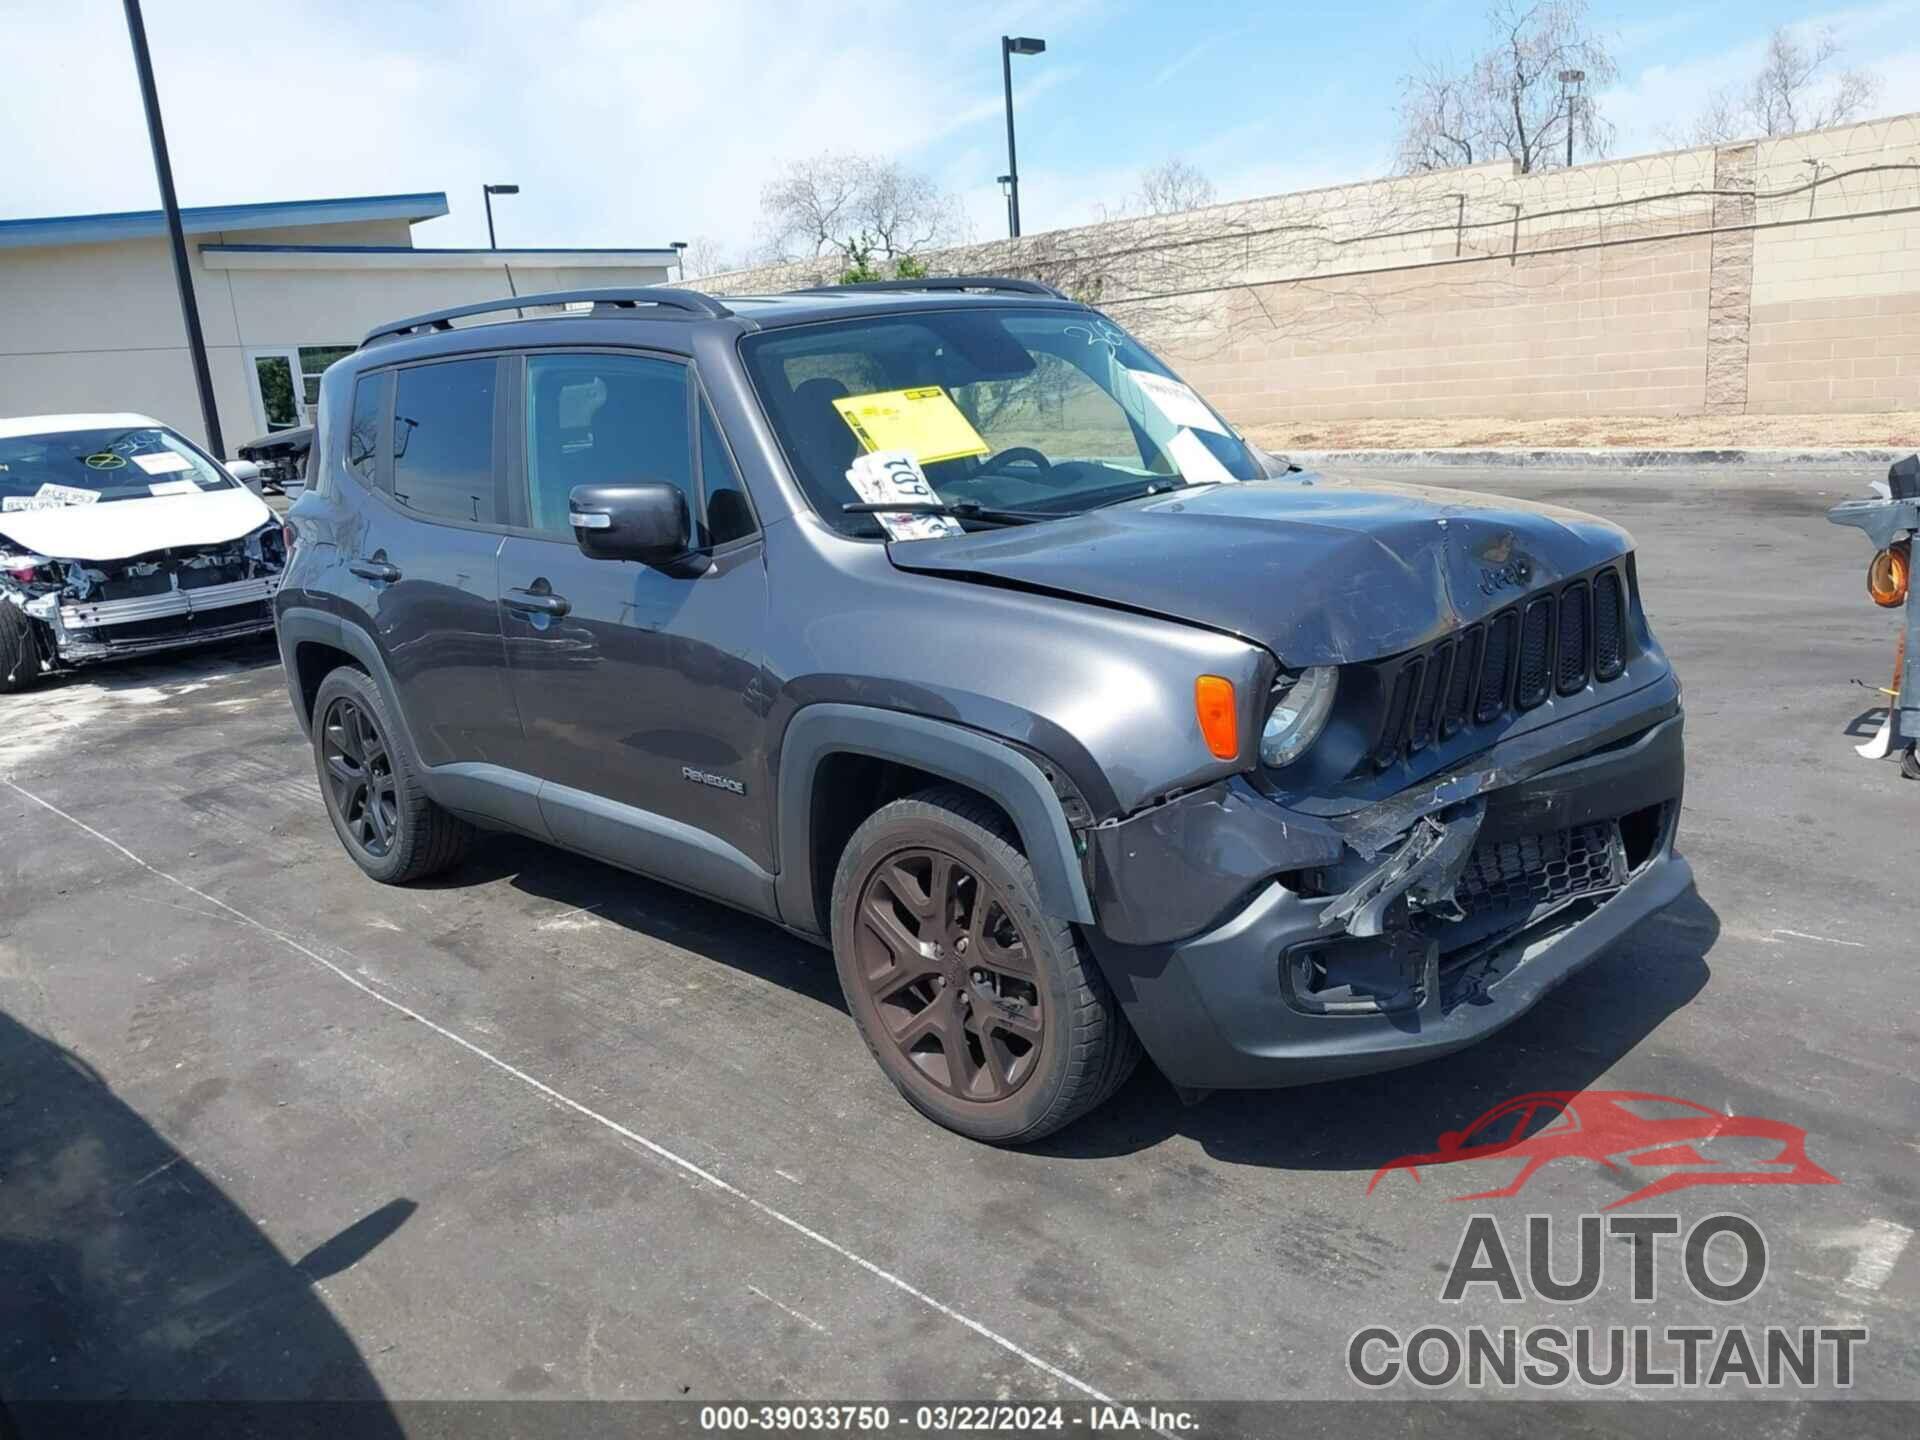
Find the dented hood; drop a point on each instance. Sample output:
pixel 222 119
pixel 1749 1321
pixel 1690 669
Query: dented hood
pixel 1320 571
pixel 117 529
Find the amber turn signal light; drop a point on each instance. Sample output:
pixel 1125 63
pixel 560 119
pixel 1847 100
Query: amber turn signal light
pixel 1887 575
pixel 1219 715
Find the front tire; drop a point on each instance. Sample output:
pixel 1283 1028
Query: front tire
pixel 989 1015
pixel 371 785
pixel 19 652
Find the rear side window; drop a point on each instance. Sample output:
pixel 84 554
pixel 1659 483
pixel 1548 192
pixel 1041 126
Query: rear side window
pixel 604 420
pixel 363 431
pixel 443 440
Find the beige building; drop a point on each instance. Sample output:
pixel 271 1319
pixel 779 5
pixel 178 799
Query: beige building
pixel 90 318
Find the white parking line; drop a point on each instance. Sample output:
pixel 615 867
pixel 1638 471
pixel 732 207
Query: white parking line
pixel 780 1216
pixel 1877 1247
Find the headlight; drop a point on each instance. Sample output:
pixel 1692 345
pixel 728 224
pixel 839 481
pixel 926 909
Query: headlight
pixel 1300 709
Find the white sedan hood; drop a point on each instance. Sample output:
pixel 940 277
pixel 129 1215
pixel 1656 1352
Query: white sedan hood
pixel 117 529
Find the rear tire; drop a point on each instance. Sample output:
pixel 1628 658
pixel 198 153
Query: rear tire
pixel 1910 763
pixel 19 651
pixel 371 784
pixel 989 1015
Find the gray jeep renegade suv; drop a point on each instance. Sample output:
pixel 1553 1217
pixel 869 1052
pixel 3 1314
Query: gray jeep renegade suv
pixel 939 623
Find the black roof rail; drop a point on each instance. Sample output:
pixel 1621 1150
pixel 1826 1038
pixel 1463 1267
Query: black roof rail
pixel 944 282
pixel 663 297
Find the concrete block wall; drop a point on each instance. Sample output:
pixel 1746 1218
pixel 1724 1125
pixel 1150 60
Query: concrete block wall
pixel 1771 276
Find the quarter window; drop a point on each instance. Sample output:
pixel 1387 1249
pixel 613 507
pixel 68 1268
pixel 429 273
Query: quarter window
pixel 604 420
pixel 728 515
pixel 363 433
pixel 443 440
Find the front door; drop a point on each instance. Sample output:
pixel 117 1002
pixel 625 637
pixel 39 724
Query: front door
pixel 637 685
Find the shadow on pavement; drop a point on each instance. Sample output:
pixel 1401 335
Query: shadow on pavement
pixel 1571 1038
pixel 653 910
pixel 127 1275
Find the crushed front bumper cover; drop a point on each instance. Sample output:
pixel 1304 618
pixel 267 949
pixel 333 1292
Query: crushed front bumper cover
pixel 1343 960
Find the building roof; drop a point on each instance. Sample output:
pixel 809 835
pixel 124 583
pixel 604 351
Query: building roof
pixel 205 219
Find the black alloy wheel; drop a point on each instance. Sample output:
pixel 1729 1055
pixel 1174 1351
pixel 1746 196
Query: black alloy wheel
pixel 359 772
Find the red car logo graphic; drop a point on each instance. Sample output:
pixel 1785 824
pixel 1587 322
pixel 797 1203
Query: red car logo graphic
pixel 1621 1129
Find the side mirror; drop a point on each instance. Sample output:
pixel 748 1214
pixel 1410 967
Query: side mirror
pixel 648 523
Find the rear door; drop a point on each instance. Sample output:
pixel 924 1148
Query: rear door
pixel 427 439
pixel 636 684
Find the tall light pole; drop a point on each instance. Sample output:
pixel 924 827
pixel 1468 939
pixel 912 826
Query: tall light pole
pixel 680 259
pixel 487 192
pixel 1005 183
pixel 1010 46
pixel 1568 80
pixel 170 202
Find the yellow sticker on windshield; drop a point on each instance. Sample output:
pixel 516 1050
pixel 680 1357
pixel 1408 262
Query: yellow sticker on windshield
pixel 924 422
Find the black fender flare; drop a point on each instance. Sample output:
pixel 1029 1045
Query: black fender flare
pixel 939 747
pixel 299 625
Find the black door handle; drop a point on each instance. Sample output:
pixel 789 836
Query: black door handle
pixel 375 570
pixel 536 602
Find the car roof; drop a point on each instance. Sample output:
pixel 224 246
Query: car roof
pixel 803 307
pixel 61 424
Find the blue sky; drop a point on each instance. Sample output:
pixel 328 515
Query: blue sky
pixel 644 122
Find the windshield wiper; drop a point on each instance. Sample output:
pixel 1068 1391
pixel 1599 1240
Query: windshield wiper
pixel 1157 487
pixel 958 509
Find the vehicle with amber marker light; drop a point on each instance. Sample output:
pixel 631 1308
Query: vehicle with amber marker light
pixel 939 622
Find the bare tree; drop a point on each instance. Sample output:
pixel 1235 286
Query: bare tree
pixel 707 256
pixel 1509 101
pixel 837 204
pixel 1172 187
pixel 1796 89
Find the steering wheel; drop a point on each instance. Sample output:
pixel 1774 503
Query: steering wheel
pixel 1023 453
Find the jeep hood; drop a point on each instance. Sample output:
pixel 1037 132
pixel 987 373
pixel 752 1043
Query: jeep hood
pixel 1320 571
pixel 118 529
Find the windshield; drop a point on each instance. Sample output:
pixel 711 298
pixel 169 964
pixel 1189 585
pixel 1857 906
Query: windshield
pixel 86 467
pixel 1037 411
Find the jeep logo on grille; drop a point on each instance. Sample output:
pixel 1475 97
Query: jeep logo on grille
pixel 1494 578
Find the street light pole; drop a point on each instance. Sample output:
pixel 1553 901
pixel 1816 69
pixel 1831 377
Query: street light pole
pixel 170 202
pixel 1010 46
pixel 487 192
pixel 1569 79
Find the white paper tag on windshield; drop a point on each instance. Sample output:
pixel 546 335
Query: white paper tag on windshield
pixel 50 497
pixel 1197 464
pixel 166 462
pixel 1175 401
pixel 895 475
pixel 174 487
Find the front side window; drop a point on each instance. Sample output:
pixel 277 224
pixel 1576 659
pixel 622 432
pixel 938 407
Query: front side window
pixel 1047 412
pixel 728 515
pixel 604 420
pixel 443 440
pixel 87 467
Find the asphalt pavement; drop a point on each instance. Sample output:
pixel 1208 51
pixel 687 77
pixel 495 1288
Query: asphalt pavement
pixel 541 1128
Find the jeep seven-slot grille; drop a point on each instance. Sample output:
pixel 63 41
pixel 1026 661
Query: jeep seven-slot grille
pixel 1555 642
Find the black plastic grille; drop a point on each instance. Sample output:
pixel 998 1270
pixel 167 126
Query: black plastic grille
pixel 1536 651
pixel 1535 870
pixel 1426 710
pixel 1555 642
pixel 1466 659
pixel 1572 661
pixel 1609 625
pixel 1496 676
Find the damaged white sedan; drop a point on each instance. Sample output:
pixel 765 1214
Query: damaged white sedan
pixel 119 536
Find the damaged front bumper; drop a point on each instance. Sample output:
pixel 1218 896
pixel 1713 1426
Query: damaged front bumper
pixel 86 612
pixel 1301 948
